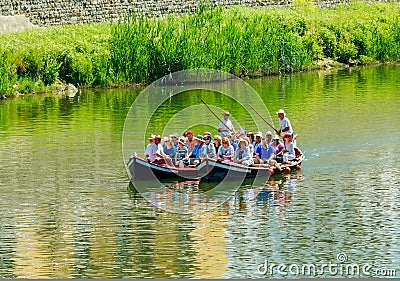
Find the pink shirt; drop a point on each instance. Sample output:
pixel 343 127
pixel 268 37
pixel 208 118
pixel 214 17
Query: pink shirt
pixel 278 147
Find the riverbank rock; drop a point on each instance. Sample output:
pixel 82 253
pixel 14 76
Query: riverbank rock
pixel 71 90
pixel 18 23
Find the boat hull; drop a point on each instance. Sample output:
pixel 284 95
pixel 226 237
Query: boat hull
pixel 141 170
pixel 207 170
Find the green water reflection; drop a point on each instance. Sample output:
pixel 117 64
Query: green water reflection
pixel 66 210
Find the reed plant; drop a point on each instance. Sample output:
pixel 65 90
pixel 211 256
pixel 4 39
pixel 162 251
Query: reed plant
pixel 249 41
pixel 239 40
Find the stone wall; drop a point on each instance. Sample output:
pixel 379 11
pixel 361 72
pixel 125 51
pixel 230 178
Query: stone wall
pixel 14 24
pixel 51 12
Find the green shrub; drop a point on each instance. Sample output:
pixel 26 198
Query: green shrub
pixel 329 42
pixel 7 78
pixel 365 59
pixel 26 86
pixel 49 72
pixel 345 52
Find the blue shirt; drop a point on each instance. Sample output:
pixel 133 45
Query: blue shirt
pixel 245 154
pixel 264 153
pixel 198 150
pixel 229 151
pixel 170 152
pixel 234 143
pixel 255 145
pixel 181 153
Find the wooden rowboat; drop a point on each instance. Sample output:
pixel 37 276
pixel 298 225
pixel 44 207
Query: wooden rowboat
pixel 208 170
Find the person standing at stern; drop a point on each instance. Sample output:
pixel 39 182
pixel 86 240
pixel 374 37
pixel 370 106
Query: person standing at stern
pixel 284 124
pixel 224 125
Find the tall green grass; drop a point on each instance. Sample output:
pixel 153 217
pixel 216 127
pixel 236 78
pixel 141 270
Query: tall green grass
pixel 240 40
pixel 35 60
pixel 247 41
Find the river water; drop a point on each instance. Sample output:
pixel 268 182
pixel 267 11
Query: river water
pixel 67 209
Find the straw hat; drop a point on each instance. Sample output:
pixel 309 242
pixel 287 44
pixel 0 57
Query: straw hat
pixel 276 137
pixel 226 113
pixel 157 137
pixel 152 137
pixel 287 135
pixel 243 140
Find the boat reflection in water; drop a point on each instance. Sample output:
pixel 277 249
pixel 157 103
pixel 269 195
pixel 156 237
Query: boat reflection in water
pixel 191 196
pixel 181 197
pixel 275 193
pixel 215 238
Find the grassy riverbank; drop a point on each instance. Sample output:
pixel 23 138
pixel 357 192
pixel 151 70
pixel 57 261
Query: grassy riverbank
pixel 241 40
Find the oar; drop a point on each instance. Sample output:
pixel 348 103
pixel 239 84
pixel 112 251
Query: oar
pixel 216 116
pixel 263 118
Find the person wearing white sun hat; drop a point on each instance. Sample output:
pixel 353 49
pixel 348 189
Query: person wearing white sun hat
pixel 151 141
pixel 284 124
pixel 289 152
pixel 224 125
pixel 258 139
pixel 242 154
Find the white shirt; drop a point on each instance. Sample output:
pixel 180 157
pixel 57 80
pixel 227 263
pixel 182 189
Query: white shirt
pixel 147 152
pixel 154 150
pixel 291 154
pixel 223 127
pixel 284 123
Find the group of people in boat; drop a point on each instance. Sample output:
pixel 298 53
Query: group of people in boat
pixel 245 148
